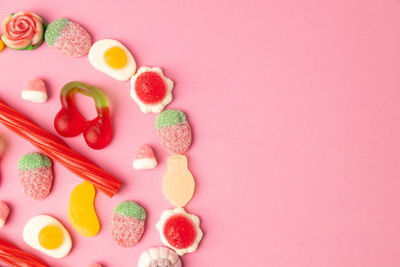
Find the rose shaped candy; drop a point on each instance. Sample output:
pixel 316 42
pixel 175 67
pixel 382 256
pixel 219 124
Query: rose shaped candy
pixel 22 30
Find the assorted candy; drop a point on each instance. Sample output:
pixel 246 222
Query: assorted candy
pixel 1 45
pixel 22 30
pixel 81 212
pixel 174 131
pixel 13 256
pixel 4 211
pixel 94 264
pixel 112 58
pixel 151 90
pixel 35 91
pixel 47 235
pixel 159 257
pixel 68 37
pixel 144 158
pixel 128 223
pixel 69 121
pixel 35 175
pixel 178 183
pixel 179 230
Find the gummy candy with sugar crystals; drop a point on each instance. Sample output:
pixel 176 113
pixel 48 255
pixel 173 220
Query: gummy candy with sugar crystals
pixel 159 257
pixel 174 131
pixel 81 211
pixel 178 183
pixel 70 122
pixel 22 30
pixel 35 175
pixel 128 223
pixel 4 211
pixel 35 91
pixel 144 158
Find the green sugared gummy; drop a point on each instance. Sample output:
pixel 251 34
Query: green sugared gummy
pixel 53 30
pixel 170 117
pixel 131 209
pixel 33 161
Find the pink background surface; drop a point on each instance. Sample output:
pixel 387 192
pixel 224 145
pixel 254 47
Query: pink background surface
pixel 294 107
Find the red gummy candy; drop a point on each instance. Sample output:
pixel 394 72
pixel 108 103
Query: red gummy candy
pixel 179 231
pixel 150 87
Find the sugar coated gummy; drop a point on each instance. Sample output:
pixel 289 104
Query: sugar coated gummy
pixel 159 257
pixel 68 37
pixel 94 264
pixel 4 211
pixel 35 91
pixel 144 158
pixel 128 223
pixel 35 175
pixel 174 131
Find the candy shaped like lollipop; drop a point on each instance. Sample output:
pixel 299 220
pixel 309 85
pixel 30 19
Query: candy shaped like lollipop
pixel 159 257
pixel 22 31
pixel 68 37
pixel 69 121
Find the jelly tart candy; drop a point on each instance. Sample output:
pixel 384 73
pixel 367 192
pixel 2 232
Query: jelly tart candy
pixel 128 223
pixel 81 212
pixel 4 211
pixel 70 122
pixel 22 31
pixel 174 131
pixel 178 183
pixel 35 91
pixel 35 175
pixel 112 58
pixel 68 37
pixel 151 90
pixel 144 158
pixel 179 230
pixel 159 257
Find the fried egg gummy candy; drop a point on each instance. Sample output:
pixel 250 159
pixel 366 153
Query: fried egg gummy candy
pixel 151 90
pixel 69 121
pixel 159 257
pixel 47 235
pixel 22 31
pixel 81 212
pixel 35 175
pixel 174 131
pixel 179 230
pixel 128 223
pixel 4 211
pixel 68 37
pixel 112 58
pixel 35 91
pixel 178 183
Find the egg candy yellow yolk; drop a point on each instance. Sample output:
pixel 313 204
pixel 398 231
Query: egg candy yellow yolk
pixel 115 57
pixel 50 237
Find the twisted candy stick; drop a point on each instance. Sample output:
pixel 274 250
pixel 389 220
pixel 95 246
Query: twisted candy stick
pixel 13 256
pixel 56 149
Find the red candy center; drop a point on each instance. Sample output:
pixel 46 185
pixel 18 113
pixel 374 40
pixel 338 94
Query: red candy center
pixel 150 87
pixel 179 231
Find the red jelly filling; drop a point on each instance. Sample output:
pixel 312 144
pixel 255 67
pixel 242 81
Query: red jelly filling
pixel 179 231
pixel 150 87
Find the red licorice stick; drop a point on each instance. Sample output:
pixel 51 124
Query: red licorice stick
pixel 13 256
pixel 57 150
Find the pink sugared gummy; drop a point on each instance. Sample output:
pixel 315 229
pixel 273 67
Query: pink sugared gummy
pixel 94 264
pixel 4 211
pixel 126 231
pixel 176 139
pixel 36 183
pixel 144 152
pixel 74 40
pixel 36 85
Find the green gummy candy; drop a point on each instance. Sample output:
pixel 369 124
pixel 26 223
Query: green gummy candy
pixel 170 117
pixel 53 30
pixel 33 161
pixel 131 209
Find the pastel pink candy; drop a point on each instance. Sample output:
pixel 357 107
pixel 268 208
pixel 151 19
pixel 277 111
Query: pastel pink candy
pixel 4 211
pixel 144 158
pixel 36 183
pixel 35 91
pixel 94 264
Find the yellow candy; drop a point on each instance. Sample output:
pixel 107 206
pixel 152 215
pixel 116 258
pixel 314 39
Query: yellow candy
pixel 50 237
pixel 1 45
pixel 81 212
pixel 115 57
pixel 178 182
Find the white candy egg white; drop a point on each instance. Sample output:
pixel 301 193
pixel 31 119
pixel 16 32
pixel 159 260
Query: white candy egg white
pixel 96 58
pixel 31 236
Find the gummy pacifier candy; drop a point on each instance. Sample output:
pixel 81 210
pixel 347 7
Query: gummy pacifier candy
pixel 69 121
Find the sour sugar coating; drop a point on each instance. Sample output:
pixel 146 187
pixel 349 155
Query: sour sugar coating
pixel 174 131
pixel 35 175
pixel 68 37
pixel 128 223
pixel 4 211
pixel 144 158
pixel 35 91
pixel 94 264
pixel 159 257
